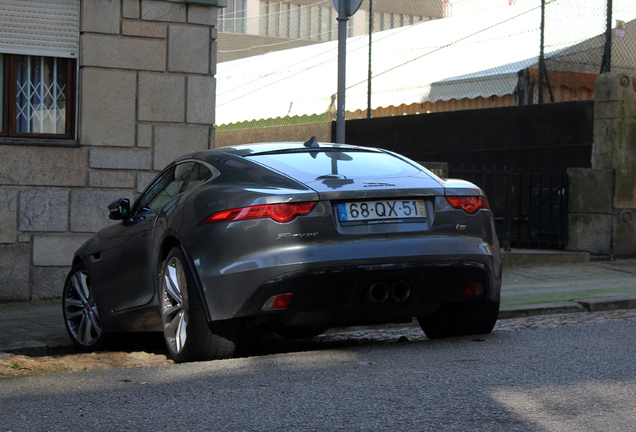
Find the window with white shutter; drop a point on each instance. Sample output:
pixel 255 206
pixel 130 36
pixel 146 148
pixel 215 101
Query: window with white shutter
pixel 39 43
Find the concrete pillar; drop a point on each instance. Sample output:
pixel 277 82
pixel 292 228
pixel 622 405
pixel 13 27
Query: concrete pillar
pixel 590 211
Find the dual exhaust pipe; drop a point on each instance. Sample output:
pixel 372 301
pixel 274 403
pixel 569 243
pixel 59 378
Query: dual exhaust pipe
pixel 380 292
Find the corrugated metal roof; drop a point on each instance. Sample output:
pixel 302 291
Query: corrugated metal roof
pixel 451 58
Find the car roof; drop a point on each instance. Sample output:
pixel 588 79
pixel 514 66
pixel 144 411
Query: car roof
pixel 274 147
pixel 259 148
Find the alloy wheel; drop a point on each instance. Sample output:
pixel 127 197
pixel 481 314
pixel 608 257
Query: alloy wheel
pixel 174 305
pixel 80 310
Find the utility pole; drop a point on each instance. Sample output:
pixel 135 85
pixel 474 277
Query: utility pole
pixel 606 65
pixel 342 68
pixel 371 22
pixel 542 68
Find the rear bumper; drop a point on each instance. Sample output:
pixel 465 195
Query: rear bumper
pixel 338 292
pixel 371 294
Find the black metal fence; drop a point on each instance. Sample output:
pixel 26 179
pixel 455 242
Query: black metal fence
pixel 530 208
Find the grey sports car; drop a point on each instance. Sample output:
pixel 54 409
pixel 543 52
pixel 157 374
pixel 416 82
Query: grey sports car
pixel 287 237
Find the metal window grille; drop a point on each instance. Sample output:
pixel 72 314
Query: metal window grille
pixel 41 95
pixel 232 17
pixel 295 21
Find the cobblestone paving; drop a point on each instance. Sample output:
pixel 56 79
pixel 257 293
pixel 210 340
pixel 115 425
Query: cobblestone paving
pixel 545 321
pixel 534 322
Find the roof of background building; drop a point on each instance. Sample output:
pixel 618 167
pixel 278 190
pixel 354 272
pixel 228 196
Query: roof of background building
pixel 450 58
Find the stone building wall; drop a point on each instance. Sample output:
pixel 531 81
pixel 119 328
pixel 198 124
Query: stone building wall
pixel 602 207
pixel 146 94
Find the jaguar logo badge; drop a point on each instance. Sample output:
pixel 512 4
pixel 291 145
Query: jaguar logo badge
pixel 377 184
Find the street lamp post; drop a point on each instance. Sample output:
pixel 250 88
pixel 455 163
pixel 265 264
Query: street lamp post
pixel 345 8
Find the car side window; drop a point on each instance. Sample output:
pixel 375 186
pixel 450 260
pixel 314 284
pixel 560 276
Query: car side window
pixel 178 179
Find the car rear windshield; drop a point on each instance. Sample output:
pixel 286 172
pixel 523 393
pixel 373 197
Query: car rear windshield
pixel 348 164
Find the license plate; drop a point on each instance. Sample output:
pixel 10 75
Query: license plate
pixel 381 210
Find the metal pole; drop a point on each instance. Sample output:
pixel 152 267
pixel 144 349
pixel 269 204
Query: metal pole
pixel 542 69
pixel 342 55
pixel 606 65
pixel 371 22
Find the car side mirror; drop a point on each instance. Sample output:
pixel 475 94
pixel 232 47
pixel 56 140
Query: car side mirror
pixel 119 209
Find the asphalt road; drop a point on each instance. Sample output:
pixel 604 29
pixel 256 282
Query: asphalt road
pixel 579 377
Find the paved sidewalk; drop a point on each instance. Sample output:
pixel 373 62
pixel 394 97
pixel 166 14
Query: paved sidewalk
pixel 37 328
pixel 565 288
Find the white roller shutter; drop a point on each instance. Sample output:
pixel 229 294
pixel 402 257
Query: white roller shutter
pixel 40 27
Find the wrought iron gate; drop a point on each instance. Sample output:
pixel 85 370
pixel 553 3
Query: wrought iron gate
pixel 530 208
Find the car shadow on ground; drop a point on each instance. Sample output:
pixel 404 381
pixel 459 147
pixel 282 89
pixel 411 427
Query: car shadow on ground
pixel 254 344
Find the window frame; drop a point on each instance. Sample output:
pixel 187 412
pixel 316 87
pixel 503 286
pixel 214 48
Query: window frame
pixel 146 201
pixel 9 108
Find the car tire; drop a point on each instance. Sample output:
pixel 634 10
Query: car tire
pixel 460 319
pixel 300 332
pixel 186 330
pixel 81 316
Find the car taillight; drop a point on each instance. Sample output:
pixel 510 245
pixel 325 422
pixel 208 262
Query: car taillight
pixel 284 212
pixel 470 204
pixel 280 301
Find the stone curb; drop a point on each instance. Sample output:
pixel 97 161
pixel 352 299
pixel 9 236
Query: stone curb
pixel 29 348
pixel 38 348
pixel 542 309
pixel 65 346
pixel 604 304
pixel 587 305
